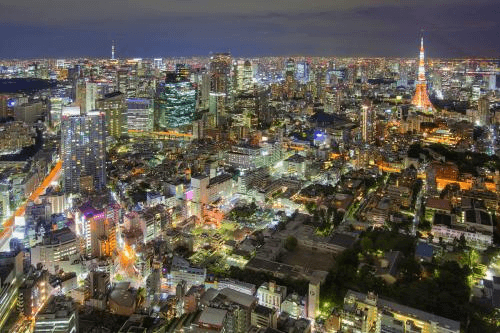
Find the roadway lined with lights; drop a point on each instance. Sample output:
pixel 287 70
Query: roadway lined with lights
pixel 8 225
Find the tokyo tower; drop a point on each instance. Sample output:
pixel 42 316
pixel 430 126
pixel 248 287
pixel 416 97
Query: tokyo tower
pixel 421 99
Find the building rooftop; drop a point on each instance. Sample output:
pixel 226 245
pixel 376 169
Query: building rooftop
pixel 57 307
pixel 238 297
pixel 383 304
pixel 123 297
pixel 59 236
pixel 212 316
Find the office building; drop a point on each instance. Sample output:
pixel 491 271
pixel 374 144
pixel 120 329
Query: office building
pixel 220 88
pixel 33 292
pixel 98 228
pixel 182 270
pixel 368 313
pixel 56 246
pixel 175 103
pixel 14 136
pixel 4 110
pixel 11 269
pixel 29 112
pixel 140 114
pixel 114 105
pixel 83 151
pixel 271 295
pixel 483 111
pixel 239 307
pixel 58 315
pixel 90 96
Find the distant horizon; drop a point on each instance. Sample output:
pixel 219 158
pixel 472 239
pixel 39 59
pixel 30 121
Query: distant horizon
pixel 249 28
pixel 72 58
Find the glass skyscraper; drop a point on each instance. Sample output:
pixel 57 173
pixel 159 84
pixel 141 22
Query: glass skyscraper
pixel 175 103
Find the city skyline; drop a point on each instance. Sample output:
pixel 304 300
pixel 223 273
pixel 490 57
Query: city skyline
pixel 180 28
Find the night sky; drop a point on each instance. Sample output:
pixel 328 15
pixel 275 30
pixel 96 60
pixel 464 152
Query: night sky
pixel 154 28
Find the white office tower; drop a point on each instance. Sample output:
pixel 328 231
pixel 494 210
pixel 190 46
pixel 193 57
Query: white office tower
pixel 58 315
pixel 90 95
pixel 83 151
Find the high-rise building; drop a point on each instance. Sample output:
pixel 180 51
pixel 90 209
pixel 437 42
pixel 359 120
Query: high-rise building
pixel 86 95
pixel 3 106
pixel 140 114
pixel 175 103
pixel 122 80
pixel 83 150
pixel 220 88
pixel 421 98
pixel 492 82
pixel 483 111
pixel 90 96
pixel 302 73
pixel 182 71
pixel 114 105
pixel 97 227
pixel 244 77
pixel 158 63
pixel 11 265
pixel 366 123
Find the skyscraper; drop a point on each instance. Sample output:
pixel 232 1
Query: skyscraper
pixel 90 96
pixel 483 111
pixel 83 150
pixel 140 114
pixel 220 70
pixel 175 103
pixel 114 105
pixel 421 98
pixel 366 122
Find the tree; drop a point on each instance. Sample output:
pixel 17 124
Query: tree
pixel 291 243
pixel 462 243
pixel 366 244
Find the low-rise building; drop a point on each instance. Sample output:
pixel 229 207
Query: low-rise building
pixel 366 313
pixel 271 295
pixel 58 315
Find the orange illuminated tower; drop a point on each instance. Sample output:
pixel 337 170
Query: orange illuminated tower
pixel 421 99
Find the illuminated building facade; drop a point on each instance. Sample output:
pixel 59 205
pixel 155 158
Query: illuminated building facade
pixel 220 70
pixel 114 105
pixel 302 74
pixel 3 106
pixel 98 228
pixel 56 246
pixel 421 98
pixel 83 151
pixel 366 313
pixel 140 114
pixel 58 315
pixel 175 103
pixel 366 122
pixel 33 293
pixel 271 295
